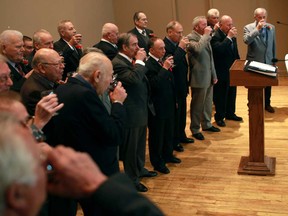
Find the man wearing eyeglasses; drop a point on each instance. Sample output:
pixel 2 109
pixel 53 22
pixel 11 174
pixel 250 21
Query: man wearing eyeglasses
pixel 5 75
pixel 48 69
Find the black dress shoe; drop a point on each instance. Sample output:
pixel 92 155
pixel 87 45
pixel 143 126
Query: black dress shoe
pixel 173 160
pixel 149 174
pixel 162 169
pixel 179 148
pixel 269 109
pixel 234 118
pixel 187 140
pixel 221 123
pixel 141 188
pixel 212 129
pixel 198 136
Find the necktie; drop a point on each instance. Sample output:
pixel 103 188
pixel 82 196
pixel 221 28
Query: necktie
pixel 144 32
pixel 264 34
pixel 19 69
pixel 160 62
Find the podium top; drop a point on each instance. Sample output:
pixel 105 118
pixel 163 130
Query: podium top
pixel 239 77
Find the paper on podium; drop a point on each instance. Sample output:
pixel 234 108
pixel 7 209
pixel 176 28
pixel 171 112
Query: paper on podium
pixel 261 68
pixel 286 62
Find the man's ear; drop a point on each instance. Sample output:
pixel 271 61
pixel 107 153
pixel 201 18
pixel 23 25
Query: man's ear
pixel 16 197
pixel 96 76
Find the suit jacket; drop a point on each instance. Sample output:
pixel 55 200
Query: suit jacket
pixel 31 90
pixel 180 71
pixel 71 57
pixel 120 191
pixel 142 40
pixel 200 57
pixel 162 89
pixel 224 54
pixel 137 87
pixel 108 49
pixel 85 125
pixel 17 78
pixel 258 49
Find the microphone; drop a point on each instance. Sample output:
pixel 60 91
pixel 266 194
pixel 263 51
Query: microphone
pixel 281 23
pixel 274 60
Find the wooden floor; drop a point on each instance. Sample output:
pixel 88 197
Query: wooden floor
pixel 207 183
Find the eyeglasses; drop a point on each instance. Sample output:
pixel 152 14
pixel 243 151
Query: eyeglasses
pixel 55 64
pixel 4 79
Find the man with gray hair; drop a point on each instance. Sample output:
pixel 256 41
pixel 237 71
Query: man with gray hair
pixel 41 39
pixel 202 77
pixel 261 41
pixel 11 46
pixel 5 75
pixel 213 19
pixel 108 42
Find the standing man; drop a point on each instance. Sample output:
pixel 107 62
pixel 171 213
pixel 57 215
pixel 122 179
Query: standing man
pixel 175 45
pixel 48 68
pixel 213 19
pixel 69 46
pixel 161 125
pixel 11 46
pixel 202 77
pixel 141 31
pixel 41 39
pixel 108 42
pixel 260 38
pixel 28 49
pixel 225 52
pixel 132 75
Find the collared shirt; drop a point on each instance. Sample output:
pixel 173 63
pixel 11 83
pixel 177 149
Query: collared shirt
pixel 114 45
pixel 140 30
pixel 42 77
pixel 69 45
pixel 131 60
pixel 152 56
pixel 175 44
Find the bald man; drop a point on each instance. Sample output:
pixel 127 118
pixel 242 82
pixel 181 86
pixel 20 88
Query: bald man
pixel 107 44
pixel 48 69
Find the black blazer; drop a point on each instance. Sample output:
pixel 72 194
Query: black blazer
pixel 180 71
pixel 108 49
pixel 71 57
pixel 31 91
pixel 224 55
pixel 17 79
pixel 162 89
pixel 137 87
pixel 85 125
pixel 142 40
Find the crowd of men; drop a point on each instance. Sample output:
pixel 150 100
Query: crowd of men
pixel 106 100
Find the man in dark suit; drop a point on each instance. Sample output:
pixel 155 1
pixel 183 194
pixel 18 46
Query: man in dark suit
pixel 161 126
pixel 69 46
pixel 84 123
pixel 5 76
pixel 225 52
pixel 41 39
pixel 175 45
pixel 141 31
pixel 134 80
pixel 12 48
pixel 77 177
pixel 108 42
pixel 48 68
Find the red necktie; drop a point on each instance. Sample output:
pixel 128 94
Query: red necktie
pixel 19 68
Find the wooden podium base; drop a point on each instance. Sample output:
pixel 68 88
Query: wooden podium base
pixel 257 168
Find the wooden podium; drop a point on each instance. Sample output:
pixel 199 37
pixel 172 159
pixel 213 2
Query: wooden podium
pixel 257 163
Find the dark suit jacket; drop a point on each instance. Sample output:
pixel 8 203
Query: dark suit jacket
pixel 142 40
pixel 17 79
pixel 85 125
pixel 137 87
pixel 223 54
pixel 108 49
pixel 180 71
pixel 120 191
pixel 162 89
pixel 31 91
pixel 71 57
